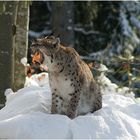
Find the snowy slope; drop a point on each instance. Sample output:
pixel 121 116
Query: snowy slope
pixel 27 114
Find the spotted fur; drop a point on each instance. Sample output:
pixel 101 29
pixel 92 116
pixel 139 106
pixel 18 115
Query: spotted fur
pixel 74 90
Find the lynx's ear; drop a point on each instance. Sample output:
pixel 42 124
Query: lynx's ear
pixel 56 41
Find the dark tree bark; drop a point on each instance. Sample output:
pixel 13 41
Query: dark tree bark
pixel 7 33
pixel 63 20
pixel 21 44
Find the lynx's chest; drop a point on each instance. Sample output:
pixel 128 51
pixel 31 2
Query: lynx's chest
pixel 62 84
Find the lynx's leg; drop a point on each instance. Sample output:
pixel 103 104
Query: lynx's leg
pixel 73 103
pixel 98 101
pixel 98 98
pixel 75 96
pixel 56 104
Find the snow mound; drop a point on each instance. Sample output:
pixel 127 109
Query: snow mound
pixel 108 87
pixel 35 125
pixel 118 119
pixel 27 116
pixel 26 100
pixel 39 80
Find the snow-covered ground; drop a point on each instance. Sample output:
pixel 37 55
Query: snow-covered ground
pixel 27 114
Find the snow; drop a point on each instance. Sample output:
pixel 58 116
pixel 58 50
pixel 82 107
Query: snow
pixel 27 114
pixel 24 61
pixel 126 29
pixel 34 34
pixel 83 31
pixel 109 87
pixel 135 22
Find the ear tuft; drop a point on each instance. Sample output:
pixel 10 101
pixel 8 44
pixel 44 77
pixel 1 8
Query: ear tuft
pixel 58 40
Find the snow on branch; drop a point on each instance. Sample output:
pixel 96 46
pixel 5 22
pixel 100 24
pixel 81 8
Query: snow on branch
pixel 34 34
pixel 135 22
pixel 39 34
pixel 83 31
pixel 126 29
pixel 49 6
pixel 100 55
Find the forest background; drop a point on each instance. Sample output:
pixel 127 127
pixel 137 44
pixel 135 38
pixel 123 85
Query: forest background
pixel 103 32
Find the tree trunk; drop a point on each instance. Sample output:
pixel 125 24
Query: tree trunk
pixel 21 44
pixel 63 20
pixel 7 32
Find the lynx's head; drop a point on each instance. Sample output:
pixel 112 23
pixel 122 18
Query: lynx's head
pixel 47 46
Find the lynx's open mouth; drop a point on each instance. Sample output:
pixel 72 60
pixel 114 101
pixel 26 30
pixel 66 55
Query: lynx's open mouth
pixel 37 58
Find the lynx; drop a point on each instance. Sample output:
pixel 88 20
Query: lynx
pixel 74 90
